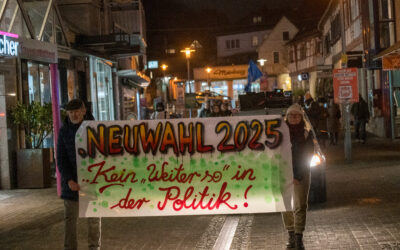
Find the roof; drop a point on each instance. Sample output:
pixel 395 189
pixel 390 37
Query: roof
pixel 304 34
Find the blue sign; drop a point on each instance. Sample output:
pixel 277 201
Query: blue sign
pixel 8 46
pixel 153 64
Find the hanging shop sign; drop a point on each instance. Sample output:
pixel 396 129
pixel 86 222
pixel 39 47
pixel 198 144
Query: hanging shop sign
pixel 184 167
pixel 38 51
pixel 9 46
pixel 345 85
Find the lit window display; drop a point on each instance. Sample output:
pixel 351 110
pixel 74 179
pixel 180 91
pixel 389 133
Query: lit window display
pixel 101 81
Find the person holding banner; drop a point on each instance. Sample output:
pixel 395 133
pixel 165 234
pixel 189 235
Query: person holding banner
pixel 66 159
pixel 302 151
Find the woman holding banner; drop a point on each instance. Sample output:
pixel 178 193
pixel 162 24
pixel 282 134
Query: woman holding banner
pixel 302 151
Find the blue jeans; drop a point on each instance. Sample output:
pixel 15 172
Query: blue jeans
pixel 359 127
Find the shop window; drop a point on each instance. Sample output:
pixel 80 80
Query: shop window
pixel 220 88
pixel 36 87
pixel 238 88
pixel 276 57
pixel 102 92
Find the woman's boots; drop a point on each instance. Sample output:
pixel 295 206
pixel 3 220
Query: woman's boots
pixel 291 241
pixel 295 241
pixel 299 241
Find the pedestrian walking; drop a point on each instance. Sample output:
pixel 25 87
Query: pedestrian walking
pixel 205 111
pixel 160 112
pixel 216 112
pixel 302 151
pixel 224 110
pixel 66 159
pixel 360 112
pixel 312 110
pixel 333 121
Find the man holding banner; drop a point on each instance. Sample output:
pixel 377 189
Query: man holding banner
pixel 66 159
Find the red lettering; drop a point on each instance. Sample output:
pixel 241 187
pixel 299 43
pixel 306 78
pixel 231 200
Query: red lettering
pixel 189 200
pixel 174 175
pixel 127 203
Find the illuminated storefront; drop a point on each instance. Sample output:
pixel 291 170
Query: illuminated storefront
pixel 224 80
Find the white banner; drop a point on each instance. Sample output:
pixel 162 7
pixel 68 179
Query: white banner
pixel 184 166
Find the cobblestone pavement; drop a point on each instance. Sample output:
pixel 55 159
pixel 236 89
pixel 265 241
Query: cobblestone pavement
pixel 362 212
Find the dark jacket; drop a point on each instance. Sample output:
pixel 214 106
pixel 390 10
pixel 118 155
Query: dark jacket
pixel 333 119
pixel 66 157
pixel 360 110
pixel 205 113
pixel 313 112
pixel 302 153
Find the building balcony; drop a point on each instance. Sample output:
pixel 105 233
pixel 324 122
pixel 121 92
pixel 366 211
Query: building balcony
pixel 115 45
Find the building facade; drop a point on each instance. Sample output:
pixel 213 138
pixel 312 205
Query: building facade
pixel 275 54
pixel 239 48
pixel 56 55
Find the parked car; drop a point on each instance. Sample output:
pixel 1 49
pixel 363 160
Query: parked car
pixel 210 96
pixel 278 99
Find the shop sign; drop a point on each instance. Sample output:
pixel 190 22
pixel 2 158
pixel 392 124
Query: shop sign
pixel 184 167
pixel 153 64
pixel 345 85
pixel 8 44
pixel 37 50
pixel 222 73
pixel 391 63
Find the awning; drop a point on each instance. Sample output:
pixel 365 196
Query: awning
pixel 392 50
pixel 135 76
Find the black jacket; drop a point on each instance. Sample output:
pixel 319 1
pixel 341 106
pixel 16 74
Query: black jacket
pixel 360 110
pixel 302 153
pixel 66 157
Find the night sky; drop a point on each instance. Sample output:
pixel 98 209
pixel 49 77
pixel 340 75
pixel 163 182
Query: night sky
pixel 176 23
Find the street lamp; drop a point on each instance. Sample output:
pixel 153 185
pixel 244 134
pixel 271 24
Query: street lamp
pixel 164 68
pixel 208 70
pixel 261 61
pixel 187 52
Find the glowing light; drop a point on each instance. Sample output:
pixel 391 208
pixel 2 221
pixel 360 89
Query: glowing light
pixel 261 61
pixel 188 51
pixel 315 160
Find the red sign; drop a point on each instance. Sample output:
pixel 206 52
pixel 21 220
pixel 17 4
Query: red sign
pixel 345 85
